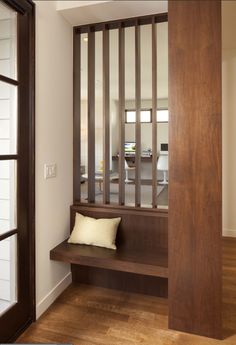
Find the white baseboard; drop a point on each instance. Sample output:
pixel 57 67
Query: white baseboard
pixel 229 232
pixel 45 303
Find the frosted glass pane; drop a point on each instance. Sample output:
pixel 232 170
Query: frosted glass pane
pixel 8 273
pixel 7 196
pixel 4 129
pixel 8 42
pixel 8 118
pixel 5 108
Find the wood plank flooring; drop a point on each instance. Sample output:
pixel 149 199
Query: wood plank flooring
pixel 86 315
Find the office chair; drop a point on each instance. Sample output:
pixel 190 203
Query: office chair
pixel 163 165
pixel 127 169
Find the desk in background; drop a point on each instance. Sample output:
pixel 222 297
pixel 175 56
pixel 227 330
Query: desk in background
pixel 146 166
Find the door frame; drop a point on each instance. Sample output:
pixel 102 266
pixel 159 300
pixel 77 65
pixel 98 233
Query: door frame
pixel 27 109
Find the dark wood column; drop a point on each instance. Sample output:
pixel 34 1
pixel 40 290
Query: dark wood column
pixel 195 219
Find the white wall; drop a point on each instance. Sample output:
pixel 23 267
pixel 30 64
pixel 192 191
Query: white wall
pixel 229 116
pixel 53 145
pixel 229 141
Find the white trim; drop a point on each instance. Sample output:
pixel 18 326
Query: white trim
pixel 229 232
pixel 45 303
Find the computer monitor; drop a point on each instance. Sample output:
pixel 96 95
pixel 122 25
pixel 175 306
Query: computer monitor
pixel 164 147
pixel 130 147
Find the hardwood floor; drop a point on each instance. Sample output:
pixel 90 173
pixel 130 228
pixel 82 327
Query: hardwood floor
pixel 87 315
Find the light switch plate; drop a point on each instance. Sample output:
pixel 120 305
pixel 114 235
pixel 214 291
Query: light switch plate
pixel 50 170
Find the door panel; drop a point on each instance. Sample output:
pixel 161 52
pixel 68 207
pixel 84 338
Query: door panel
pixel 16 167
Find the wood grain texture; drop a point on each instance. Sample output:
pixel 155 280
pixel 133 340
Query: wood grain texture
pixel 91 116
pixel 133 262
pixel 140 263
pixel 138 116
pixel 124 281
pixel 195 220
pixel 88 315
pixel 76 117
pixel 140 231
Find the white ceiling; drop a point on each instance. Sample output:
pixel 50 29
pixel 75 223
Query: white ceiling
pixel 88 12
pixel 66 4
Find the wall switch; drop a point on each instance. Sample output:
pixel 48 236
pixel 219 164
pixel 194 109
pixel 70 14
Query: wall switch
pixel 50 170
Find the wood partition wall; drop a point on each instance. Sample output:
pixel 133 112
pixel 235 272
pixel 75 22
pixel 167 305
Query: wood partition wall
pixel 195 221
pixel 194 231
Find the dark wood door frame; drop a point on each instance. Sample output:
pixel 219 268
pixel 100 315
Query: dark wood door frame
pixel 11 327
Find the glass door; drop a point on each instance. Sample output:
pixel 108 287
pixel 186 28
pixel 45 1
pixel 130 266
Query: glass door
pixel 16 170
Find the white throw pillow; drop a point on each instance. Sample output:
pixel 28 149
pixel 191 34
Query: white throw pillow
pixel 97 232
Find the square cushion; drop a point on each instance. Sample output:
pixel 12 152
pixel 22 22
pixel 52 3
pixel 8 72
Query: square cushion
pixel 97 232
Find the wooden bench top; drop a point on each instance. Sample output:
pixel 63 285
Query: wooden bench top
pixel 118 260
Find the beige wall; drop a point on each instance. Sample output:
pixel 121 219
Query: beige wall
pixel 53 145
pixel 229 141
pixel 229 116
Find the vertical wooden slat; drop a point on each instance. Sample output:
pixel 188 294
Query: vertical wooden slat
pixel 138 113
pixel 76 115
pixel 121 115
pixel 195 157
pixel 106 120
pixel 91 117
pixel 154 115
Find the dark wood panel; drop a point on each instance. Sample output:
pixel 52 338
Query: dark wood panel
pixel 76 117
pixel 123 281
pixel 91 116
pixel 195 269
pixel 151 264
pixel 138 114
pixel 139 231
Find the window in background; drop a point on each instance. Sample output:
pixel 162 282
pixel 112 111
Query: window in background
pixel 162 116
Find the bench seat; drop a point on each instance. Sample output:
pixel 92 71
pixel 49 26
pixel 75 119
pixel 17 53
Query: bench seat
pixel 118 260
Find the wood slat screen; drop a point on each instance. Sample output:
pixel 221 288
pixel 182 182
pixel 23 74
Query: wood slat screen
pixel 76 120
pixel 138 113
pixel 91 117
pixel 90 30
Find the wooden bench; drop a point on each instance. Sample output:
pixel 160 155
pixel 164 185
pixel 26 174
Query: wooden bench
pixel 141 247
pixel 146 264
